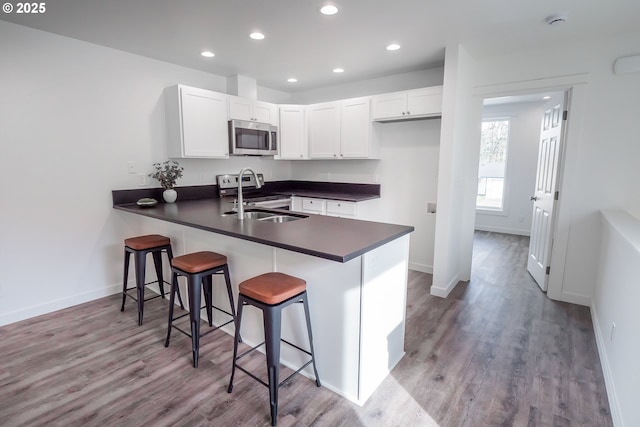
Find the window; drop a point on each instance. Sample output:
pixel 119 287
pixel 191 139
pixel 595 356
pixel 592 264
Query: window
pixel 493 161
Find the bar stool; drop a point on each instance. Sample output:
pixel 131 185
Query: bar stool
pixel 271 292
pixel 199 267
pixel 141 246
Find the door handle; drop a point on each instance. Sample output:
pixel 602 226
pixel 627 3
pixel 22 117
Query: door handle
pixel 533 198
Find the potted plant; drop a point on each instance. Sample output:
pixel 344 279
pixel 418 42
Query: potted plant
pixel 167 173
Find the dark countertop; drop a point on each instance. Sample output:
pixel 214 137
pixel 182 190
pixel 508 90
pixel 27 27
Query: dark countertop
pixel 331 195
pixel 332 238
pixel 326 190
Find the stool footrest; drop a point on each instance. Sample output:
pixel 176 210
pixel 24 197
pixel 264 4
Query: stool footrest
pixel 126 291
pixel 241 355
pixel 203 334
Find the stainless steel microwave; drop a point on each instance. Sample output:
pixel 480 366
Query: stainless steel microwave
pixel 252 138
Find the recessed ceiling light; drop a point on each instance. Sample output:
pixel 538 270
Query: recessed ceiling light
pixel 256 36
pixel 207 54
pixel 292 80
pixel 393 46
pixel 546 97
pixel 338 70
pixel 329 9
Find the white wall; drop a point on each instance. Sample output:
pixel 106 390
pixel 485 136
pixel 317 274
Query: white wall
pixel 522 157
pixel 72 115
pixel 458 173
pixel 407 173
pixel 616 302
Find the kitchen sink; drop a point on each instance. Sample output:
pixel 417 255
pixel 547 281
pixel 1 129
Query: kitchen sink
pixel 251 214
pixel 264 215
pixel 280 218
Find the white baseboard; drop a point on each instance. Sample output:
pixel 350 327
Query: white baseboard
pixel 575 299
pixel 444 292
pixel 503 230
pixel 606 369
pixel 59 304
pixel 424 268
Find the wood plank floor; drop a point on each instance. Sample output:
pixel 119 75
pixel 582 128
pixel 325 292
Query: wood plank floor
pixel 497 352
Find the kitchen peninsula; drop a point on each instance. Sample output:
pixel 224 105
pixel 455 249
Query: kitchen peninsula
pixel 356 273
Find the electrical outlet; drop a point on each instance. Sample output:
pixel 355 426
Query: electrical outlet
pixel 431 208
pixel 613 331
pixel 142 180
pixel 131 167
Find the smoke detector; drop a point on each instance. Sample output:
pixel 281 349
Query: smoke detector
pixel 556 19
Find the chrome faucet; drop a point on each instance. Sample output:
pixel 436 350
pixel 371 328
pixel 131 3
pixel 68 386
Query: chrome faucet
pixel 240 201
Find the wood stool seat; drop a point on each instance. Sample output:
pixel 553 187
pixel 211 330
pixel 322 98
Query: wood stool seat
pixel 140 247
pixel 272 288
pixel 147 242
pixel 271 292
pixel 199 268
pixel 199 261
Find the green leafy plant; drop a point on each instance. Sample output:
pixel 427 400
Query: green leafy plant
pixel 167 173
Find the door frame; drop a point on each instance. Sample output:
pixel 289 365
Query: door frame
pixel 576 85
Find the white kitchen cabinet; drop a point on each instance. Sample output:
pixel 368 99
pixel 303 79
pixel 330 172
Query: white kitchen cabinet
pixel 341 129
pixel 292 132
pixel 196 123
pixel 340 209
pixel 315 206
pixel 252 110
pixel 412 104
pixel 324 130
pixel 327 207
pixel 355 128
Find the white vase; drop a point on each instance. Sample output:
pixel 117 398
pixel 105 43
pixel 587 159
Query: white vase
pixel 170 195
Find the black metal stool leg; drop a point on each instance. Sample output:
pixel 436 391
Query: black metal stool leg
pixel 313 354
pixel 272 325
pixel 236 340
pixel 157 263
pixel 127 256
pixel 140 265
pixel 227 280
pixel 194 314
pixel 170 256
pixel 174 287
pixel 207 288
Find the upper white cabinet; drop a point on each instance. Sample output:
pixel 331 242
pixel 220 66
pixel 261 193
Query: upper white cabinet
pixel 196 123
pixel 292 132
pixel 355 128
pixel 252 110
pixel 412 104
pixel 341 129
pixel 324 130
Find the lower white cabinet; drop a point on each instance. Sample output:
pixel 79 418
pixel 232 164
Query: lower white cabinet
pixel 327 207
pixel 316 206
pixel 341 209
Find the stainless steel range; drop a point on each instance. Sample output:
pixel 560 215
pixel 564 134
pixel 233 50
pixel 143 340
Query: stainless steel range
pixel 228 189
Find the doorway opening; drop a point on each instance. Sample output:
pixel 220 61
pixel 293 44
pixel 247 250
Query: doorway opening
pixel 513 164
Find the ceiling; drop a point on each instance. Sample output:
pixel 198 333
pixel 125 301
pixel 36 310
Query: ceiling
pixel 302 43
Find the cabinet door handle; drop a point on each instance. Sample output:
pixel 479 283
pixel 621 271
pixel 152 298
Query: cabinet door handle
pixel 408 112
pixel 403 113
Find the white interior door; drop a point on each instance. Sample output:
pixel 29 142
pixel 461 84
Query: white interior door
pixel 545 196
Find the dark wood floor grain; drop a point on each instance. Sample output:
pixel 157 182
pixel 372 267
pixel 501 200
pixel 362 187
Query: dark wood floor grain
pixel 497 352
